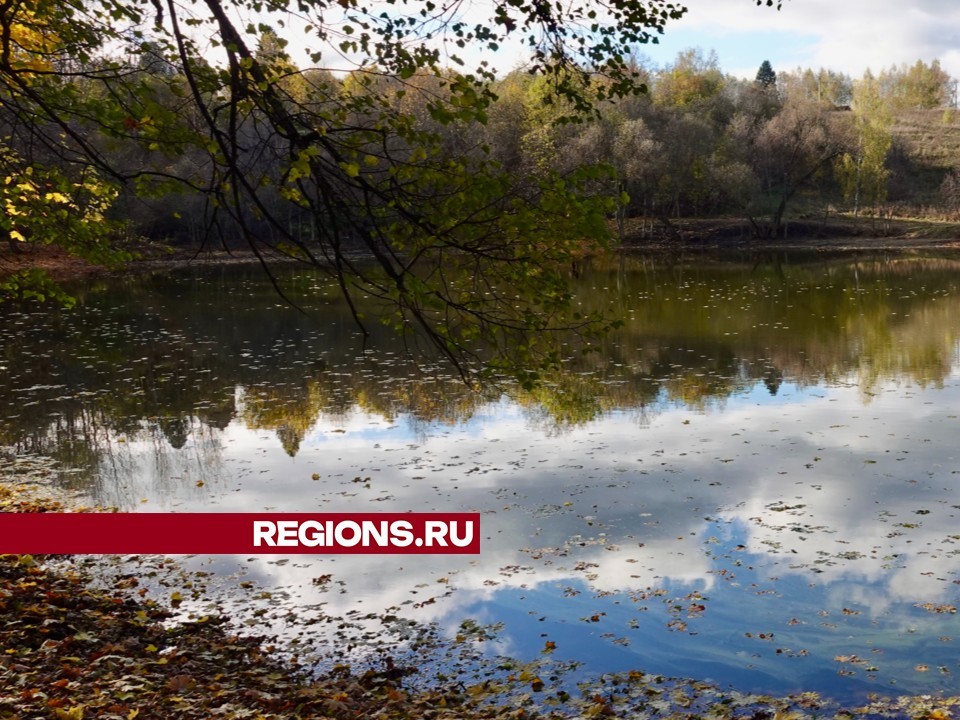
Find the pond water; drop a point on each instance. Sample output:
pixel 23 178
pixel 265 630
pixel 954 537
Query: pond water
pixel 754 484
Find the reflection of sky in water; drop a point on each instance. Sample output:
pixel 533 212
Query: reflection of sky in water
pixel 751 546
pixel 727 533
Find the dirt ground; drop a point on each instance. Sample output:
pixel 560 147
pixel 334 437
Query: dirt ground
pixel 59 265
pixel 835 235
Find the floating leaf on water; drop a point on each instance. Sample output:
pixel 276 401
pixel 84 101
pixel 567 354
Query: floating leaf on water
pixel 937 608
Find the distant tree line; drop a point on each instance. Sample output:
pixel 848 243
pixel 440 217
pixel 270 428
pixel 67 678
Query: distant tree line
pixel 699 143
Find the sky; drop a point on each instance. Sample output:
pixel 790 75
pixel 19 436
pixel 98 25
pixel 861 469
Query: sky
pixel 844 35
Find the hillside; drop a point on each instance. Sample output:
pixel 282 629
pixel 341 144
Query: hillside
pixel 926 146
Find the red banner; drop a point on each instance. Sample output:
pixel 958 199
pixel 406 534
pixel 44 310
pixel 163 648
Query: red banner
pixel 239 533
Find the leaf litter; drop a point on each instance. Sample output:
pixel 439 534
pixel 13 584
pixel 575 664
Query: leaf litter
pixel 74 646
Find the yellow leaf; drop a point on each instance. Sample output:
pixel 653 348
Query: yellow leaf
pixel 351 169
pixel 74 713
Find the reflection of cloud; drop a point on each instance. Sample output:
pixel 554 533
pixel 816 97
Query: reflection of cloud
pixel 847 506
pixel 848 593
pixel 869 507
pixel 819 479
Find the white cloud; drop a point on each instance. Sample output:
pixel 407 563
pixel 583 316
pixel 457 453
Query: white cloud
pixel 850 36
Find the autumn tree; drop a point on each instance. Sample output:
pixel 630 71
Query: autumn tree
pixel 694 79
pixel 862 170
pixel 207 99
pixel 689 141
pixel 914 87
pixel 44 202
pixel 821 86
pixel 638 158
pixel 791 151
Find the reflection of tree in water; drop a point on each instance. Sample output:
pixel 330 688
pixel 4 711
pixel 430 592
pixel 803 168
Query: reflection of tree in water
pixel 153 361
pixel 175 429
pixel 772 380
pixel 292 409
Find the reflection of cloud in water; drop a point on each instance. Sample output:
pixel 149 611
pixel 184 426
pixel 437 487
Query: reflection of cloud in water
pixel 876 504
pixel 847 506
pixel 821 492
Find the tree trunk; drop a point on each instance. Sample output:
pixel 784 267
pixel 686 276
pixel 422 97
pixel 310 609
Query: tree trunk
pixel 671 228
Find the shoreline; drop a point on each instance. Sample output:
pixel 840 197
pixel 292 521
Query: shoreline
pixel 835 235
pixel 75 647
pixel 689 235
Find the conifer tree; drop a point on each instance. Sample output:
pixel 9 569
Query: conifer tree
pixel 766 77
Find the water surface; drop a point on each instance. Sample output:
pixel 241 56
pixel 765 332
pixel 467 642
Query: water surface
pixel 754 483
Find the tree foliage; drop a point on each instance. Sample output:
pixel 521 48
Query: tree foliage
pixel 693 79
pixel 919 86
pixel 766 77
pixel 301 164
pixel 863 172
